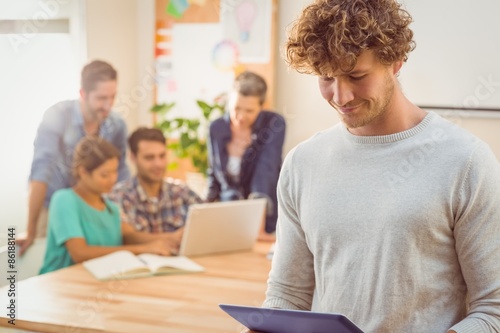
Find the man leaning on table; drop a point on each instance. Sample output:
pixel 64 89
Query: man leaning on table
pixel 149 201
pixel 392 217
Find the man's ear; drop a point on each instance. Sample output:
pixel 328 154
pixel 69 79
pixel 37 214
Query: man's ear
pixel 133 158
pixel 396 66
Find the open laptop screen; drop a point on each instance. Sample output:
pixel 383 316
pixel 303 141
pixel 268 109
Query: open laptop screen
pixel 222 227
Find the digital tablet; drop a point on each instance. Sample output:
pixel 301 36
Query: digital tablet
pixel 267 320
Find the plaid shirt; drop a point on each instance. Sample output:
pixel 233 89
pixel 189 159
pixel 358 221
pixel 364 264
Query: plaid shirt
pixel 165 213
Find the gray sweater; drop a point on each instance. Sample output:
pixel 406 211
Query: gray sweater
pixel 391 231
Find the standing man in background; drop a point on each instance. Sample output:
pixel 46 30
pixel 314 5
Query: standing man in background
pixel 391 217
pixel 62 127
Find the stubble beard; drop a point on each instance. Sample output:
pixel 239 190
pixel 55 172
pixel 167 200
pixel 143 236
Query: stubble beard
pixel 149 180
pixel 373 112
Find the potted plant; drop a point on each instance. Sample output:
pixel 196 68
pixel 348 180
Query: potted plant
pixel 187 137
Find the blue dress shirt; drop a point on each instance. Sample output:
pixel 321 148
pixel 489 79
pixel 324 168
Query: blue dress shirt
pixel 60 131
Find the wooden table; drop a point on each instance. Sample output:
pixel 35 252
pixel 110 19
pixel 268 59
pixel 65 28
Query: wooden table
pixel 73 301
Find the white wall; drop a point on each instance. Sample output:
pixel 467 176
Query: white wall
pixel 145 61
pixel 33 77
pixel 457 48
pixel 122 32
pixel 306 113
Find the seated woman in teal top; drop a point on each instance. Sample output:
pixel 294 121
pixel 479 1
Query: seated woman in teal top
pixel 84 225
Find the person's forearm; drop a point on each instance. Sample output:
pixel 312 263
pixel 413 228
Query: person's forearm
pixel 91 252
pixel 170 239
pixel 38 191
pixel 138 237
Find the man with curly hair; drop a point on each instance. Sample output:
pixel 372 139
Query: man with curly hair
pixel 392 216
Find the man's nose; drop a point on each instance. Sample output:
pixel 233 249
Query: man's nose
pixel 158 162
pixel 108 103
pixel 342 92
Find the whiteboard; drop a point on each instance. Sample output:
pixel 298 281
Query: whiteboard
pixel 457 59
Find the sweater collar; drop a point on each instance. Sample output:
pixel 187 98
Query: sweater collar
pixel 390 138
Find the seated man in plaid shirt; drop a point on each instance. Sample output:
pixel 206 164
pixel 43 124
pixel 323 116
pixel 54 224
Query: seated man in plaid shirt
pixel 149 201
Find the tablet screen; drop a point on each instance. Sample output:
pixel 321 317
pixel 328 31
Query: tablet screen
pixel 267 320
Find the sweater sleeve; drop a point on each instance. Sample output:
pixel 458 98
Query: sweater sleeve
pixel 477 236
pixel 291 280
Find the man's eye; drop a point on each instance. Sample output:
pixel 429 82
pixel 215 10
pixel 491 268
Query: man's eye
pixel 357 78
pixel 327 78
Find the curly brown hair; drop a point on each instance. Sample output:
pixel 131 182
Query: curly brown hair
pixel 330 35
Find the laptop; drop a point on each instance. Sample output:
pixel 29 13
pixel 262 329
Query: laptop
pixel 289 321
pixel 222 227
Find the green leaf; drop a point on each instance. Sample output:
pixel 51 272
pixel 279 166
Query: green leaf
pixel 173 165
pixel 203 105
pixel 205 108
pixel 173 145
pixel 185 140
pixel 179 122
pixel 162 108
pixel 165 126
pixel 193 124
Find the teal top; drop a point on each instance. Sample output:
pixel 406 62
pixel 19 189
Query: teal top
pixel 71 217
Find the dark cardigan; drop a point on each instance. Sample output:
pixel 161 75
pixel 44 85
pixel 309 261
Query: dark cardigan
pixel 260 164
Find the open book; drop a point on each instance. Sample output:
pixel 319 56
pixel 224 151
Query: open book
pixel 126 265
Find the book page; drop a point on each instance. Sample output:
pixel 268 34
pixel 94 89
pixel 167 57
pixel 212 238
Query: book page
pixel 118 264
pixel 163 265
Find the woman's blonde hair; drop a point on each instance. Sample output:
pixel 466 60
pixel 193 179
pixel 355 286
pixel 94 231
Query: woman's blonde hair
pixel 330 35
pixel 251 84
